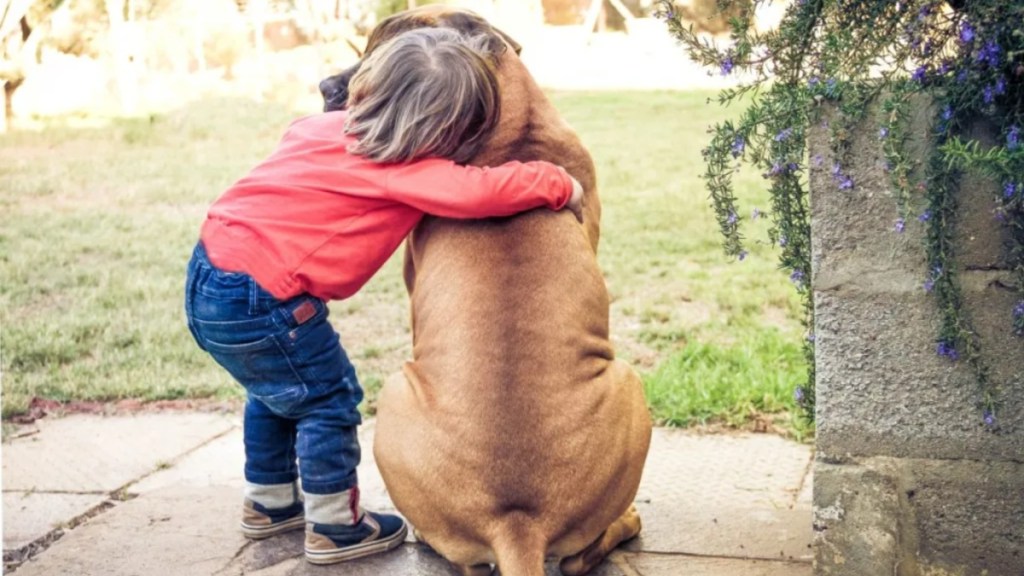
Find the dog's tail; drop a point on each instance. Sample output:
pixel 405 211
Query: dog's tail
pixel 519 546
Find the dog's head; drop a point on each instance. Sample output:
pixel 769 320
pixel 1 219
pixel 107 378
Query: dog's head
pixel 334 89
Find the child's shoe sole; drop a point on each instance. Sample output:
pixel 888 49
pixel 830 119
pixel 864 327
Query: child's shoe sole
pixel 260 532
pixel 321 557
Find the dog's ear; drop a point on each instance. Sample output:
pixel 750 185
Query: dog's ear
pixel 516 47
pixel 471 24
pixel 334 89
pixel 394 25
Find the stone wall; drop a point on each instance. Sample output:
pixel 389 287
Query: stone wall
pixel 908 480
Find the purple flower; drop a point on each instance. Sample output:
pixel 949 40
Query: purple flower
pixel 742 255
pixel 989 418
pixel 1018 310
pixel 925 216
pixel 817 160
pixel 989 53
pixel 1000 86
pixel 1009 190
pixel 929 285
pixel 732 219
pixel 901 224
pixel 798 395
pixel 948 350
pixel 811 337
pixel 944 68
pixel 797 277
pixel 1013 138
pixel 784 135
pixel 883 133
pixel 813 81
pixel 727 66
pixel 966 32
pixel 755 214
pixel 783 241
pixel 988 94
pixel 738 145
pixel 947 113
pixel 844 181
pixel 919 74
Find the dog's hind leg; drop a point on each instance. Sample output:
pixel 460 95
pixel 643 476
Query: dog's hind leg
pixel 626 527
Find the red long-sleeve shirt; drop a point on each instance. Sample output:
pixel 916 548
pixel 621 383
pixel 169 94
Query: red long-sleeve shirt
pixel 313 218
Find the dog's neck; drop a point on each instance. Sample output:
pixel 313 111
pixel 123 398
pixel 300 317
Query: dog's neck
pixel 530 128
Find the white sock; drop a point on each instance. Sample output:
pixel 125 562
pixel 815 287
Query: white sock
pixel 338 508
pixel 272 496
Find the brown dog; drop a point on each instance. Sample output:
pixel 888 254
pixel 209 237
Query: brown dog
pixel 514 434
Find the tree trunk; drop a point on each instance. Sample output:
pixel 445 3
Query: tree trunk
pixel 256 12
pixel 7 111
pixel 121 53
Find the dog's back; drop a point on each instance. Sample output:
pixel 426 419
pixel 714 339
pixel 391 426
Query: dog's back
pixel 513 434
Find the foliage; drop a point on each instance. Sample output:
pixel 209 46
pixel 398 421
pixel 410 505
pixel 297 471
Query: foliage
pixel 966 56
pixel 707 16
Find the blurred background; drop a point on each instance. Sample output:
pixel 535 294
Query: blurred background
pixel 140 56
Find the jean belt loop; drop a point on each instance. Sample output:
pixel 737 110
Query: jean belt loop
pixel 254 298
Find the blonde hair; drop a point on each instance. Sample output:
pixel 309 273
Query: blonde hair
pixel 428 92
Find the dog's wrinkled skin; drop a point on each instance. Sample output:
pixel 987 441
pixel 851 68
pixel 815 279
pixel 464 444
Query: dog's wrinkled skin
pixel 514 434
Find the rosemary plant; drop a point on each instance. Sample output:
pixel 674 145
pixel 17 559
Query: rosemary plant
pixel 967 57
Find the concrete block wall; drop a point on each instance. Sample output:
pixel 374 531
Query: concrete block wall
pixel 908 480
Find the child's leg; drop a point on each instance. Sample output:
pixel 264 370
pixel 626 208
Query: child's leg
pixel 328 449
pixel 272 503
pixel 234 320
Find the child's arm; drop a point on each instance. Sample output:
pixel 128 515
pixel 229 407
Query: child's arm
pixel 443 188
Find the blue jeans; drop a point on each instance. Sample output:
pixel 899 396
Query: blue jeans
pixel 302 390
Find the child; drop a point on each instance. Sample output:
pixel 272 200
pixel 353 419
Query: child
pixel 313 223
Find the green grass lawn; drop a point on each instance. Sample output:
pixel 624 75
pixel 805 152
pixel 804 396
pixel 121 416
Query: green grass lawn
pixel 99 223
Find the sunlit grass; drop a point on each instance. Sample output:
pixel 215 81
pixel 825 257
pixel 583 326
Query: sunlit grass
pixel 99 224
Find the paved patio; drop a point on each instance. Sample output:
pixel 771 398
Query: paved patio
pixel 160 493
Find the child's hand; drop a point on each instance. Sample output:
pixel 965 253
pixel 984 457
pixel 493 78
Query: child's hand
pixel 575 203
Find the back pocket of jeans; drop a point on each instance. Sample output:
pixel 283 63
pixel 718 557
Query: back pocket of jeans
pixel 264 370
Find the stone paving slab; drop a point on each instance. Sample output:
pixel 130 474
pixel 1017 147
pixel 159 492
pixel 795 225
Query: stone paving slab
pixel 83 453
pixel 750 533
pixel 29 516
pixel 655 565
pixel 736 470
pixel 179 531
pixel 729 496
pixel 412 559
pixel 217 463
pixel 806 497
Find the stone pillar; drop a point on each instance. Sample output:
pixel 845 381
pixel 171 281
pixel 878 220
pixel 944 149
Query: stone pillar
pixel 907 479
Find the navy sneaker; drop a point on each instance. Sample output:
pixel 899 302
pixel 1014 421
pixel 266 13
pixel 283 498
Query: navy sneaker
pixel 330 543
pixel 261 522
